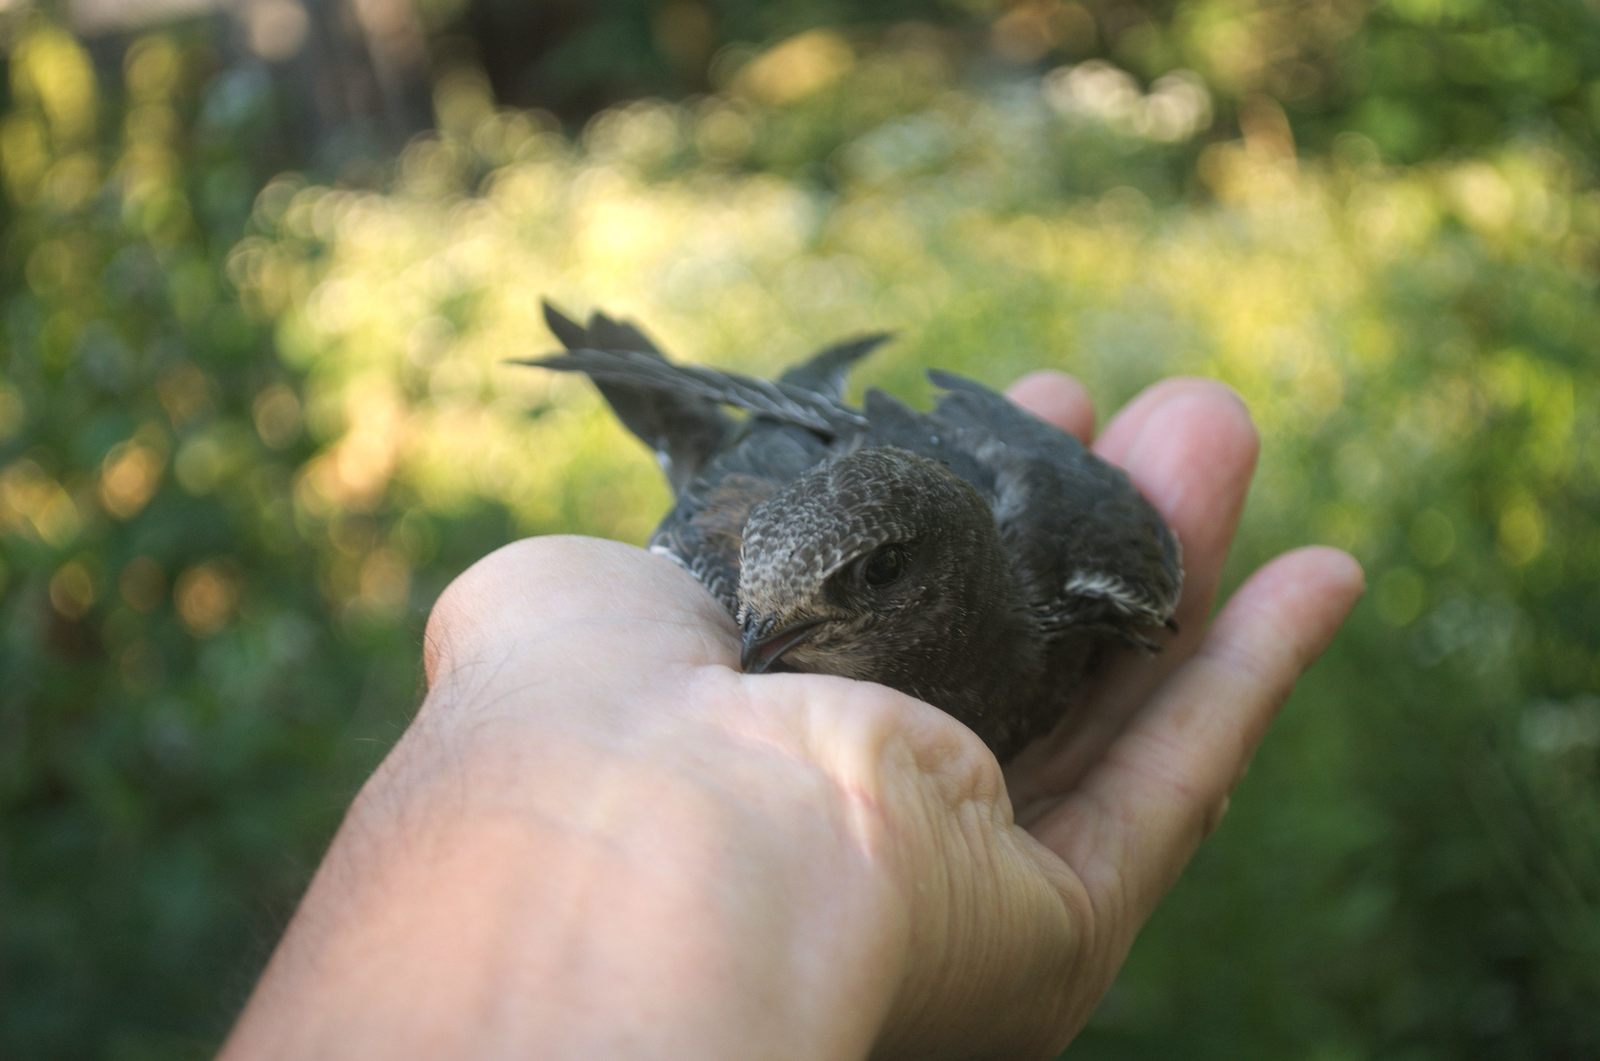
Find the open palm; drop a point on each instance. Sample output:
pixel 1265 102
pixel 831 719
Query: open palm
pixel 1009 900
pixel 599 838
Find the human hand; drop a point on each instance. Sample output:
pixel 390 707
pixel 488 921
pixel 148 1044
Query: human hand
pixel 600 838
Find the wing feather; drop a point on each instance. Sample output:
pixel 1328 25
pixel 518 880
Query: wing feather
pixel 1094 552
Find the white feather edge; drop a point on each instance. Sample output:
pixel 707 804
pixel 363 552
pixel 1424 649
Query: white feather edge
pixel 1102 585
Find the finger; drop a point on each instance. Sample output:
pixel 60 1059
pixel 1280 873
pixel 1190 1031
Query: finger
pixel 1120 435
pixel 1190 447
pixel 1162 786
pixel 1057 399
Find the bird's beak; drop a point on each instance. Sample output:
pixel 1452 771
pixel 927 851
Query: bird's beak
pixel 764 645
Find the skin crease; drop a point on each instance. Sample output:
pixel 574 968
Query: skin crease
pixel 599 839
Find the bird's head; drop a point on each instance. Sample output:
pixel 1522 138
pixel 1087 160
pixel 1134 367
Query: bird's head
pixel 863 564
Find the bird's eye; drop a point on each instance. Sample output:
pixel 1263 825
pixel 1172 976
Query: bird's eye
pixel 885 566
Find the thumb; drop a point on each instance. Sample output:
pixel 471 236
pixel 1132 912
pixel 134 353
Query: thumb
pixel 540 598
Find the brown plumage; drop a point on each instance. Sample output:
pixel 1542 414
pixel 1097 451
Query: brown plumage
pixel 973 556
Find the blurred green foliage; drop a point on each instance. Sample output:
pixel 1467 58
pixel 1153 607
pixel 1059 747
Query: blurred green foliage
pixel 1421 78
pixel 251 423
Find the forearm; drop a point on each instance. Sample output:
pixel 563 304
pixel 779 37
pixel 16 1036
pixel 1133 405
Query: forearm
pixel 488 897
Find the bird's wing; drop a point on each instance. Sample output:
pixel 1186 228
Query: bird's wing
pixel 1092 551
pixel 682 427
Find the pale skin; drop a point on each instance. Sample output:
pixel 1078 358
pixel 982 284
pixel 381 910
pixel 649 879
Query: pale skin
pixel 599 839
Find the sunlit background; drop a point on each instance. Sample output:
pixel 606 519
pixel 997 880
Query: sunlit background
pixel 261 262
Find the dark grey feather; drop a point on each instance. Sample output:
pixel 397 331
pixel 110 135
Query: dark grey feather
pixel 1094 549
pixel 769 398
pixel 1038 552
pixel 825 371
pixel 683 429
pixel 893 423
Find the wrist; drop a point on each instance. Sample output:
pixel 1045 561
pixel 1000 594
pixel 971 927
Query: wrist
pixel 705 891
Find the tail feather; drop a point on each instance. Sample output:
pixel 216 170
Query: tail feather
pixel 825 371
pixel 608 333
pixel 677 409
pixel 667 382
pixel 684 430
pixel 603 332
pixel 572 334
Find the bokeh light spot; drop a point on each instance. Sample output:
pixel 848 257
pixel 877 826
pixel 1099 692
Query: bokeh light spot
pixel 276 413
pixel 276 28
pixel 151 68
pixel 199 464
pixel 128 477
pixel 385 583
pixel 206 596
pixel 1400 595
pixel 1521 527
pixel 72 590
pixel 796 68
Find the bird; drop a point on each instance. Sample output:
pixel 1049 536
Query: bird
pixel 971 556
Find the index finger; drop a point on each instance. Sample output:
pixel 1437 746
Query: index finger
pixel 1140 813
pixel 1190 447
